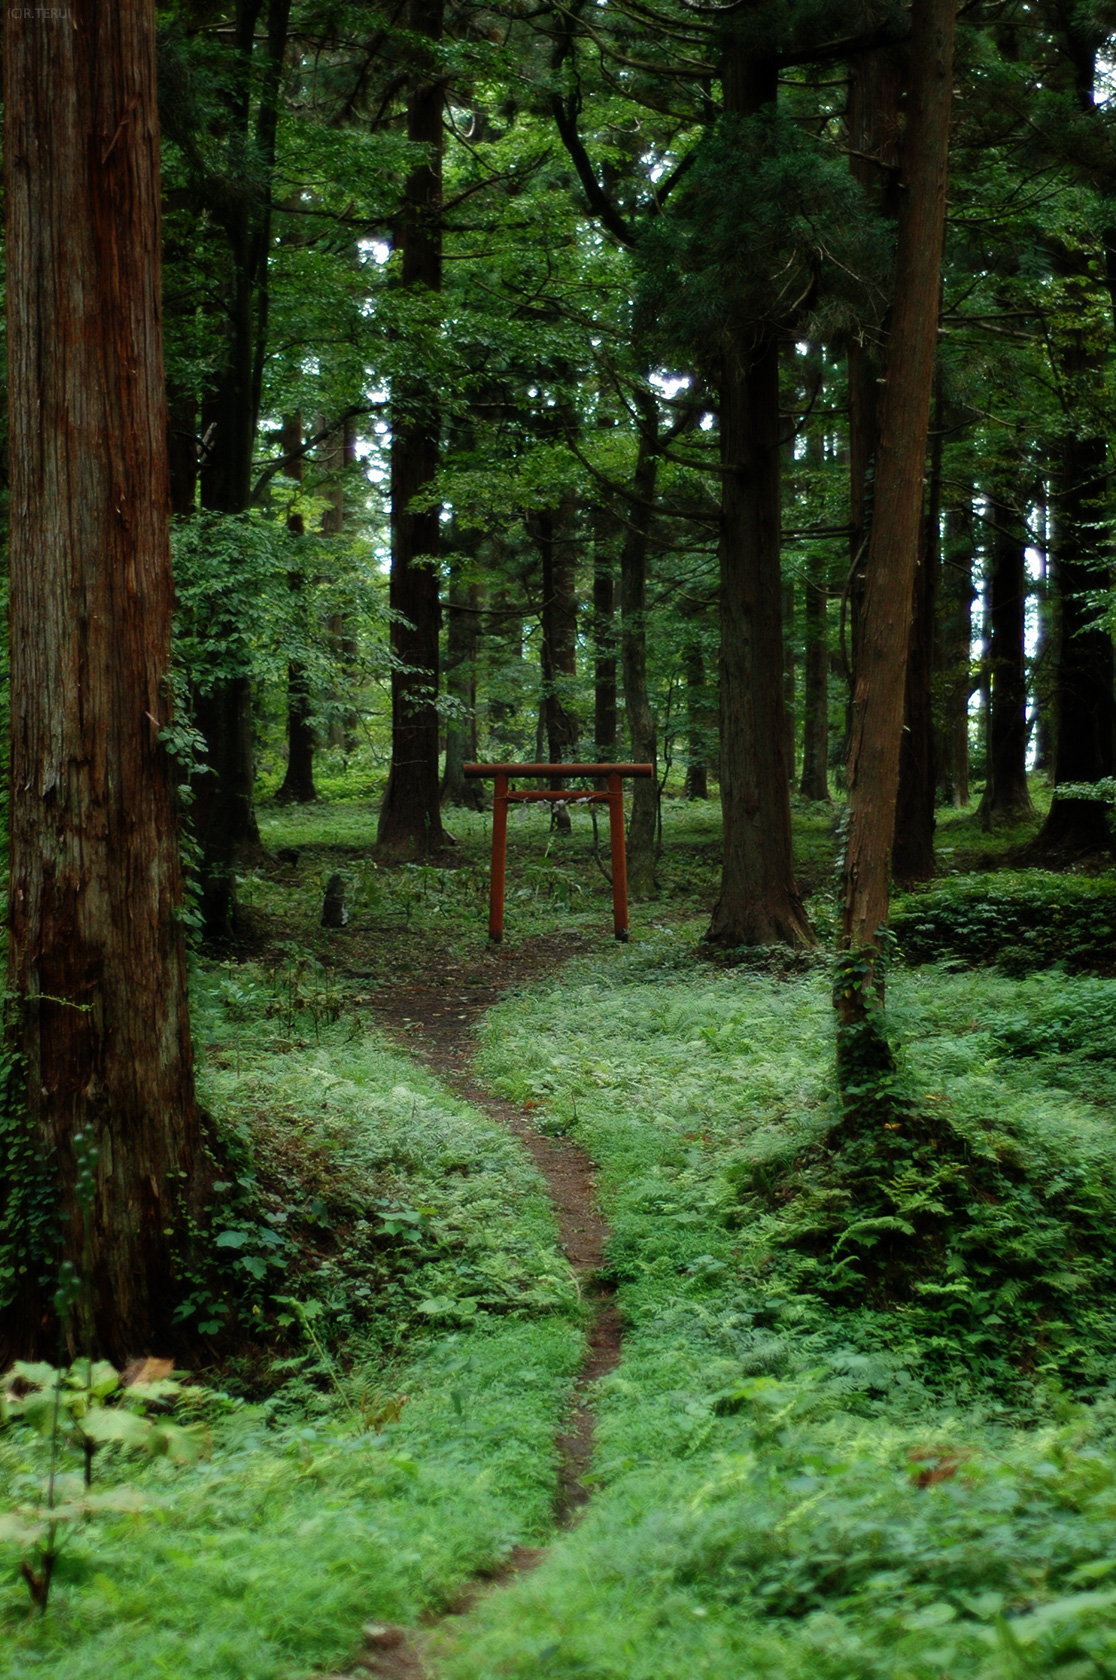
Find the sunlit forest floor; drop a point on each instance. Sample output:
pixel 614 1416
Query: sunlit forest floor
pixel 801 1464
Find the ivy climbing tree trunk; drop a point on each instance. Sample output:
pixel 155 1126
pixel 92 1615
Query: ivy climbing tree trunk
pixel 95 959
pixel 893 545
pixel 410 823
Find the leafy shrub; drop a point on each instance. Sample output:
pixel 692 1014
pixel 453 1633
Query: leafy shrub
pixel 1021 920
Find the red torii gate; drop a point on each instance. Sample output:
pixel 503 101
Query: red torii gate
pixel 613 796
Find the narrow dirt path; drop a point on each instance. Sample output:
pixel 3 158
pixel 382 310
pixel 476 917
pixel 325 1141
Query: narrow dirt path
pixel 434 1017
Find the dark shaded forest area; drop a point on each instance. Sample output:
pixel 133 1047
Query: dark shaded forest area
pixel 401 386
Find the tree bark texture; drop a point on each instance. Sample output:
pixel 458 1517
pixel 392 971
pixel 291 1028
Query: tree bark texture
pixel 759 901
pixel 1085 718
pixel 297 786
pixel 410 823
pixel 896 530
pixel 1006 796
pixel 95 961
pixel 642 731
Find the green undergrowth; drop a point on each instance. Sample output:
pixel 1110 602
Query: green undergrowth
pixel 264 1561
pixel 791 1484
pixel 354 1184
pixel 394 1335
pixel 1019 919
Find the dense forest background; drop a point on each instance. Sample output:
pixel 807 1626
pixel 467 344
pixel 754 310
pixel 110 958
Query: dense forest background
pixel 459 297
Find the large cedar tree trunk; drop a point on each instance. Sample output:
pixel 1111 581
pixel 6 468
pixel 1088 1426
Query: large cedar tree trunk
pixel 759 902
pixel 893 546
pixel 96 968
pixel 410 823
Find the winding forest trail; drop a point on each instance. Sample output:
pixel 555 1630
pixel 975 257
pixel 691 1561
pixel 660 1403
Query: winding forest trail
pixel 434 1016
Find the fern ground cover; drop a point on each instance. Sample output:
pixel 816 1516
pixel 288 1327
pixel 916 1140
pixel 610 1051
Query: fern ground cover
pixel 408 1438
pixel 789 1485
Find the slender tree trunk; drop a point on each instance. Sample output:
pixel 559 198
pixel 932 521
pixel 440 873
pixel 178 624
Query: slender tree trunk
pixel 789 677
pixel 1044 649
pixel 604 636
pixel 297 787
pixel 912 850
pixel 504 671
pixel 410 817
pixel 1006 795
pixel 893 545
pixel 182 451
pixel 336 458
pixel 1084 713
pixel 223 811
pixel 877 80
pixel 953 653
pixel 556 540
pixel 554 532
pixel 642 732
pixel 815 697
pixel 96 967
pixel 461 685
pixel 697 769
pixel 759 902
